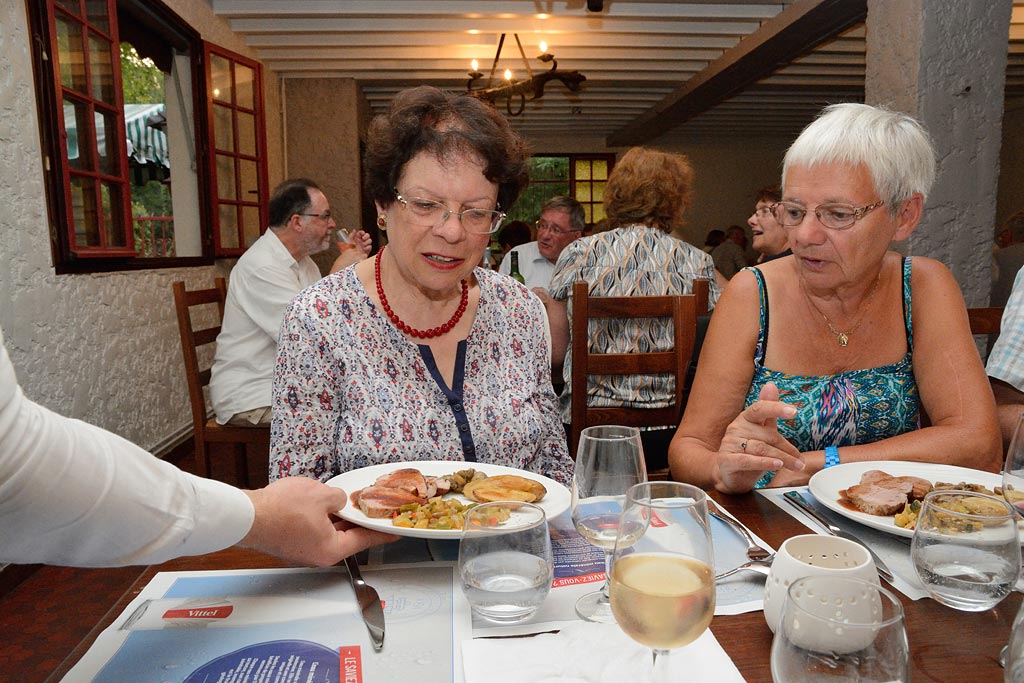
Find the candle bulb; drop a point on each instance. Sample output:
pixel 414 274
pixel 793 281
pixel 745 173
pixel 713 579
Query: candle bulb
pixel 508 75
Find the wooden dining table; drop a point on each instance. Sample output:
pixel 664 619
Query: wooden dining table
pixel 945 645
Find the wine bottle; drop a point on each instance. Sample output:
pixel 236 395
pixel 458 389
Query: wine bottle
pixel 514 269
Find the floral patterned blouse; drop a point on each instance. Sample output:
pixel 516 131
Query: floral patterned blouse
pixel 350 390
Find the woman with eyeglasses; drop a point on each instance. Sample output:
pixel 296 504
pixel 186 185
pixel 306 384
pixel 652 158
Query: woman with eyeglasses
pixel 846 351
pixel 417 353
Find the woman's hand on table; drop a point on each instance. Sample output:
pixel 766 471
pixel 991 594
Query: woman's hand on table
pixel 295 521
pixel 752 444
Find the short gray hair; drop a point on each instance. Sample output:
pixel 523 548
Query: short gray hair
pixel 577 216
pixel 893 146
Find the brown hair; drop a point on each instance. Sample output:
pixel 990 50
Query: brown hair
pixel 769 193
pixel 648 187
pixel 424 119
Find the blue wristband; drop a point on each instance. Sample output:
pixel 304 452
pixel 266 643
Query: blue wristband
pixel 831 456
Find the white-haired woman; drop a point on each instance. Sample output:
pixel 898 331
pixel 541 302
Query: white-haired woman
pixel 866 355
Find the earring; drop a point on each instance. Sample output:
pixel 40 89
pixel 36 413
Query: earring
pixel 382 221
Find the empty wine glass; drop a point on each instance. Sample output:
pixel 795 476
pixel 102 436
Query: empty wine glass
pixel 609 460
pixel 966 549
pixel 840 629
pixel 1013 469
pixel 662 576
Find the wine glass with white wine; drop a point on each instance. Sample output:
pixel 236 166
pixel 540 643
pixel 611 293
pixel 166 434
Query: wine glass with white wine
pixel 609 460
pixel 1013 469
pixel 662 579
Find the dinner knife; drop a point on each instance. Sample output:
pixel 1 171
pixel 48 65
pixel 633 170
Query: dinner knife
pixel 369 603
pixel 795 499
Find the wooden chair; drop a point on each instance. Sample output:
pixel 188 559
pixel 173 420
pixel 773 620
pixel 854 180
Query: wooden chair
pixel 682 309
pixel 985 320
pixel 210 437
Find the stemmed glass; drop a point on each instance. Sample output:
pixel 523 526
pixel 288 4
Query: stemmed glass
pixel 840 629
pixel 662 578
pixel 966 549
pixel 609 460
pixel 1013 469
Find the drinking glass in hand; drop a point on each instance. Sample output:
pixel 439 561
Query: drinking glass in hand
pixel 662 581
pixel 609 460
pixel 966 549
pixel 505 560
pixel 1013 469
pixel 840 629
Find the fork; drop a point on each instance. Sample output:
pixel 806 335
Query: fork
pixel 759 566
pixel 754 551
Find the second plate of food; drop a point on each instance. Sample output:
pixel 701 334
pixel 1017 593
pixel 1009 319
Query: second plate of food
pixel 555 501
pixel 826 486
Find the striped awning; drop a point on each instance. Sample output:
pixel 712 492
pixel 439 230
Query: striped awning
pixel 144 126
pixel 147 142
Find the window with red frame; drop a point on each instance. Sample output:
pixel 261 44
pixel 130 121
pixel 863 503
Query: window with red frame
pixel 238 153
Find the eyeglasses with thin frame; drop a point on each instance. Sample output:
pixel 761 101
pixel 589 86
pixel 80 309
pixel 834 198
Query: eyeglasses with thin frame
pixel 552 228
pixel 835 216
pixel 431 213
pixel 764 211
pixel 326 215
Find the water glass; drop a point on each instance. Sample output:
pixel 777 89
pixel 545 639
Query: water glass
pixel 1012 656
pixel 840 629
pixel 505 560
pixel 966 549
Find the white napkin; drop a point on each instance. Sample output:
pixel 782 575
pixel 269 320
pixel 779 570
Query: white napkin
pixel 584 652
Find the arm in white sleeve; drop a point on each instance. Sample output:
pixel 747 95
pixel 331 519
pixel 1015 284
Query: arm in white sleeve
pixel 74 494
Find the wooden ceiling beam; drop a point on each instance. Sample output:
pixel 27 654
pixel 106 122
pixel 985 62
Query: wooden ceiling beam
pixel 791 33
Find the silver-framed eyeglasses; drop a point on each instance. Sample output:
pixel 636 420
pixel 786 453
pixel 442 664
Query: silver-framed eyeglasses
pixel 431 213
pixel 835 216
pixel 326 215
pixel 552 228
pixel 764 211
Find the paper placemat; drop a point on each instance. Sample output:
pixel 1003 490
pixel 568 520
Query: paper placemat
pixel 591 653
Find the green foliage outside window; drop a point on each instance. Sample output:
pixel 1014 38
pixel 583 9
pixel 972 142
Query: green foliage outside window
pixel 143 83
pixel 548 176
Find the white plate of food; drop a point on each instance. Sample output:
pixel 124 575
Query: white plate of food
pixel 554 502
pixel 828 487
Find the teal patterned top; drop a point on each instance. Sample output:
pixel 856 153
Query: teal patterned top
pixel 857 406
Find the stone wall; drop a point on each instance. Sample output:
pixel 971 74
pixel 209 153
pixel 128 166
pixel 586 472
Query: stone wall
pixel 101 347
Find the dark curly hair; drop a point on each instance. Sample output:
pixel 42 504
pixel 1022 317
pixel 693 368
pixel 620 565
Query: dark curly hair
pixel 424 119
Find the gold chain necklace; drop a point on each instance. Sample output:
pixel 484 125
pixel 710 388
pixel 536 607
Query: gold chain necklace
pixel 843 338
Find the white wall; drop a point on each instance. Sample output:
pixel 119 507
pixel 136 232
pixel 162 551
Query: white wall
pixel 101 347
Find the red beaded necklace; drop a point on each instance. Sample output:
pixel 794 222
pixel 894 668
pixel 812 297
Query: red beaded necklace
pixel 412 331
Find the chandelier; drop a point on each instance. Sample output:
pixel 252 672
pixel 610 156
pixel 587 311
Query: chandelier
pixel 510 89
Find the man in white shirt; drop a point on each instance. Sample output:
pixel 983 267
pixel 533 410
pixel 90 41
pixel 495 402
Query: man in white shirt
pixel 263 282
pixel 562 220
pixel 74 494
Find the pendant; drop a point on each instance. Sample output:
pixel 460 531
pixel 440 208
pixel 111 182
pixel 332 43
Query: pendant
pixel 842 339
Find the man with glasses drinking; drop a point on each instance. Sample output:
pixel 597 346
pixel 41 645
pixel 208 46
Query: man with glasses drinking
pixel 561 222
pixel 264 281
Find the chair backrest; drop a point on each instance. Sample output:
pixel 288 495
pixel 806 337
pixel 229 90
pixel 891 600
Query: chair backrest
pixel 683 309
pixel 193 339
pixel 985 320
